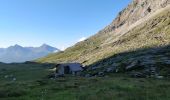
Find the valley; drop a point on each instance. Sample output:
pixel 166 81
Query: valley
pixel 129 59
pixel 32 83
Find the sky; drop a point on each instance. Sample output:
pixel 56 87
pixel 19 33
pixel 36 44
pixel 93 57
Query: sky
pixel 59 23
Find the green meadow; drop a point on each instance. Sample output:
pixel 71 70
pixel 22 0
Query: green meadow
pixel 32 83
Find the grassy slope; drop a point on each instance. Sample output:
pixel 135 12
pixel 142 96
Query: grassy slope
pixel 142 36
pixel 32 84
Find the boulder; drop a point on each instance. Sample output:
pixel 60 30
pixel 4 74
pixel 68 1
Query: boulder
pixel 134 64
pixel 159 77
pixel 101 74
pixel 137 75
pixel 88 75
pixel 14 79
pixel 50 76
pixel 110 69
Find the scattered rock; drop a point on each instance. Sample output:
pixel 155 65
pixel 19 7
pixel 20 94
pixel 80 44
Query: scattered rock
pixel 6 76
pixel 117 70
pixel 88 75
pixel 51 76
pixel 110 69
pixel 133 65
pixel 14 79
pixel 137 75
pixel 101 74
pixel 148 62
pixel 159 77
pixel 153 72
pixel 167 62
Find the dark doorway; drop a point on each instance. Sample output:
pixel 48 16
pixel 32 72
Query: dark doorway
pixel 66 69
pixel 149 9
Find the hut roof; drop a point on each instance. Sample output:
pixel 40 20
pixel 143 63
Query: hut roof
pixel 75 66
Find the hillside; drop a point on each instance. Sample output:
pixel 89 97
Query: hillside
pixel 142 24
pixel 127 60
pixel 138 37
pixel 18 53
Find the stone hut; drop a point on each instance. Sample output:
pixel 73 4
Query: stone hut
pixel 68 68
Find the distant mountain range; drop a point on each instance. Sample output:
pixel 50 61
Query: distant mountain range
pixel 18 53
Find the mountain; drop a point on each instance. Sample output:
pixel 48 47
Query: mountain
pixel 18 53
pixel 138 37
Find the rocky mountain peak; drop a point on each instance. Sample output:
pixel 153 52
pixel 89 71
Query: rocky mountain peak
pixel 18 53
pixel 135 11
pixel 16 46
pixel 44 45
pixel 47 47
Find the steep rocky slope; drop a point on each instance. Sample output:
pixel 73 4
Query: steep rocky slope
pixel 144 24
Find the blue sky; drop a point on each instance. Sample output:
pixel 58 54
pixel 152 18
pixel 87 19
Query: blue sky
pixel 59 23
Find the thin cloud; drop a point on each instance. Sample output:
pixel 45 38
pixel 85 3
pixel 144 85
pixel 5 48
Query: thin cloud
pixel 64 47
pixel 82 39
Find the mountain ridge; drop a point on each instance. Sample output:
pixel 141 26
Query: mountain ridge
pixel 147 26
pixel 17 53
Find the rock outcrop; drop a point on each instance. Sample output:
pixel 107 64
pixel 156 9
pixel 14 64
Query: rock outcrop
pixel 138 38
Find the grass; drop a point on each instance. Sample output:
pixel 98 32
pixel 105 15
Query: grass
pixel 32 84
pixel 153 33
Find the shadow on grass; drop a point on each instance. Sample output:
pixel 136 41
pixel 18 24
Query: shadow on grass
pixel 123 58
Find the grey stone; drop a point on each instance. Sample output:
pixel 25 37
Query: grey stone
pixel 110 69
pixel 159 77
pixel 167 61
pixel 148 62
pixel 14 79
pixel 117 70
pixel 132 65
pixel 6 76
pixel 88 75
pixel 101 74
pixel 137 75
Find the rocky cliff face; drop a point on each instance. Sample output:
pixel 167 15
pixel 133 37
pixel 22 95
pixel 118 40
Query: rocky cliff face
pixel 139 29
pixel 135 11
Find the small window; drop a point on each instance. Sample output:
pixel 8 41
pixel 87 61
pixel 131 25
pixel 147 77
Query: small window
pixel 149 9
